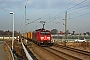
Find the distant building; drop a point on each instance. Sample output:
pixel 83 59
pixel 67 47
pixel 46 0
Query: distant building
pixel 61 32
pixel 88 33
pixel 54 31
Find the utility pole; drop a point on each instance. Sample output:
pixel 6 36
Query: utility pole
pixel 25 19
pixel 25 22
pixel 65 28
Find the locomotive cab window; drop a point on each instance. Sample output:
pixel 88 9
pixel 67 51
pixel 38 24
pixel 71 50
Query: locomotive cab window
pixel 45 33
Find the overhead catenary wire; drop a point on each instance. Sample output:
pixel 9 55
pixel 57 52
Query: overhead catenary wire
pixel 79 15
pixel 55 11
pixel 80 7
pixel 66 10
pixel 72 7
pixel 63 11
pixel 69 9
pixel 76 5
pixel 77 10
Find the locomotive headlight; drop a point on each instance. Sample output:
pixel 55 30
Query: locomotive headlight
pixel 45 38
pixel 48 38
pixel 42 38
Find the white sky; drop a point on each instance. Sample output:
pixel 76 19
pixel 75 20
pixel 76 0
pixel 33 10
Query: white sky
pixel 50 11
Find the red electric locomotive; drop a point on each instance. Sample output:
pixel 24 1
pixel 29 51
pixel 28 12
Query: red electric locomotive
pixel 41 36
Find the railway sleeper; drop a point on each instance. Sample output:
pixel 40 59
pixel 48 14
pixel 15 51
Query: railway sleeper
pixel 62 54
pixel 73 49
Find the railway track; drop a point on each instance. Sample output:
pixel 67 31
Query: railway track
pixel 74 52
pixel 73 49
pixel 42 54
pixel 58 52
pixel 61 54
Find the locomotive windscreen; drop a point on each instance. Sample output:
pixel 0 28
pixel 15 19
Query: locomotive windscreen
pixel 45 33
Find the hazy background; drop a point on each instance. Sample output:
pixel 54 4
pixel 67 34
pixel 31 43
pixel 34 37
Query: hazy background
pixel 50 11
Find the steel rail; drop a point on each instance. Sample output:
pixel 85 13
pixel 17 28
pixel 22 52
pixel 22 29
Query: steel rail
pixel 73 49
pixel 63 55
